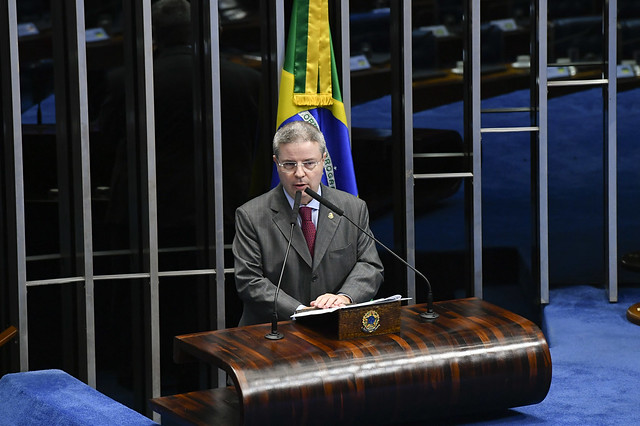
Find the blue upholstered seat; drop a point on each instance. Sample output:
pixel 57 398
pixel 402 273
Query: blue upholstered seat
pixel 53 397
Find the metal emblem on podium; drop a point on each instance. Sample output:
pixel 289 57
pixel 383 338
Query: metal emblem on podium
pixel 370 321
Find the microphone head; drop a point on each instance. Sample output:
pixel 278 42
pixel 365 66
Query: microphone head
pixel 311 192
pixel 324 201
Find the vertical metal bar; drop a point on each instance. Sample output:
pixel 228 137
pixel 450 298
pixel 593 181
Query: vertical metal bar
pixel 206 216
pixel 81 105
pixel 272 53
pixel 407 67
pixel 147 139
pixel 214 129
pixel 72 121
pixel 472 68
pixel 534 142
pixel 345 64
pixel 12 129
pixel 280 39
pixel 543 133
pixel 402 130
pixel 610 138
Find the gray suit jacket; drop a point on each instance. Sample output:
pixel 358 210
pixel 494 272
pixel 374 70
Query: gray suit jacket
pixel 345 260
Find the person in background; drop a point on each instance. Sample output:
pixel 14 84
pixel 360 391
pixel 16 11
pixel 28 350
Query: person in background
pixel 177 151
pixel 179 164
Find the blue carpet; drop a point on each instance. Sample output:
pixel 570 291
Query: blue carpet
pixel 595 354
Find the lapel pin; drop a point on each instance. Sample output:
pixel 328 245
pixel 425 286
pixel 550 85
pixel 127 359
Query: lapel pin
pixel 330 215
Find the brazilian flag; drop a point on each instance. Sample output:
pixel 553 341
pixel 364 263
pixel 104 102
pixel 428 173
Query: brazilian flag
pixel 309 89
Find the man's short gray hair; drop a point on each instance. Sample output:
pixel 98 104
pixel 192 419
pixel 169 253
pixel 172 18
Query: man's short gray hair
pixel 171 21
pixel 298 131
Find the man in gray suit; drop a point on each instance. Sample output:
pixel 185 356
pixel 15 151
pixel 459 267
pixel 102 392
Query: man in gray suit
pixel 344 267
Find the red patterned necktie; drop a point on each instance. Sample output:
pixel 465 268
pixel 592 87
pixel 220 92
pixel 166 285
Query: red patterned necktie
pixel 308 228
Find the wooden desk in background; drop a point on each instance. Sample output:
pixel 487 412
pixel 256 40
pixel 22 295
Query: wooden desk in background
pixel 475 357
pixel 448 87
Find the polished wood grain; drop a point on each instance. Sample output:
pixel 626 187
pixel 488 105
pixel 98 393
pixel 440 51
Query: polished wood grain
pixel 8 334
pixel 476 357
pixel 208 407
pixel 633 313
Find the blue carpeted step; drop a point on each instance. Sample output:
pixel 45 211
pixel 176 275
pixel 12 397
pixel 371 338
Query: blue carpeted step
pixel 53 397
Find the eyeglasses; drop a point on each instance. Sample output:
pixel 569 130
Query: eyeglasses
pixel 290 166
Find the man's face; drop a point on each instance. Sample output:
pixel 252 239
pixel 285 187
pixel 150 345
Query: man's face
pixel 300 177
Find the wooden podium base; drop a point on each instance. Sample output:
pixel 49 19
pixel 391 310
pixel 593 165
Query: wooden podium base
pixel 208 407
pixel 476 357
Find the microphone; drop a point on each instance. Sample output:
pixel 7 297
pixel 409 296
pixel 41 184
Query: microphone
pixel 430 314
pixel 296 207
pixel 274 334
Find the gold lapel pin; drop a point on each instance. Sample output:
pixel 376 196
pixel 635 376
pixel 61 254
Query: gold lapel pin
pixel 330 215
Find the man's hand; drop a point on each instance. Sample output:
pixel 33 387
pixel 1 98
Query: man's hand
pixel 329 300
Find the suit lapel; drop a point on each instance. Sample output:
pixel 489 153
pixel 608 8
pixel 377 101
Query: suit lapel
pixel 328 222
pixel 282 215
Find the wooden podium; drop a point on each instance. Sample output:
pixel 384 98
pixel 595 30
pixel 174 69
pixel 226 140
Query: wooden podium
pixel 475 357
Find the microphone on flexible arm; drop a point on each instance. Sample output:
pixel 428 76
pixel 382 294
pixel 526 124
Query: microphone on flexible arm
pixel 430 314
pixel 274 334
